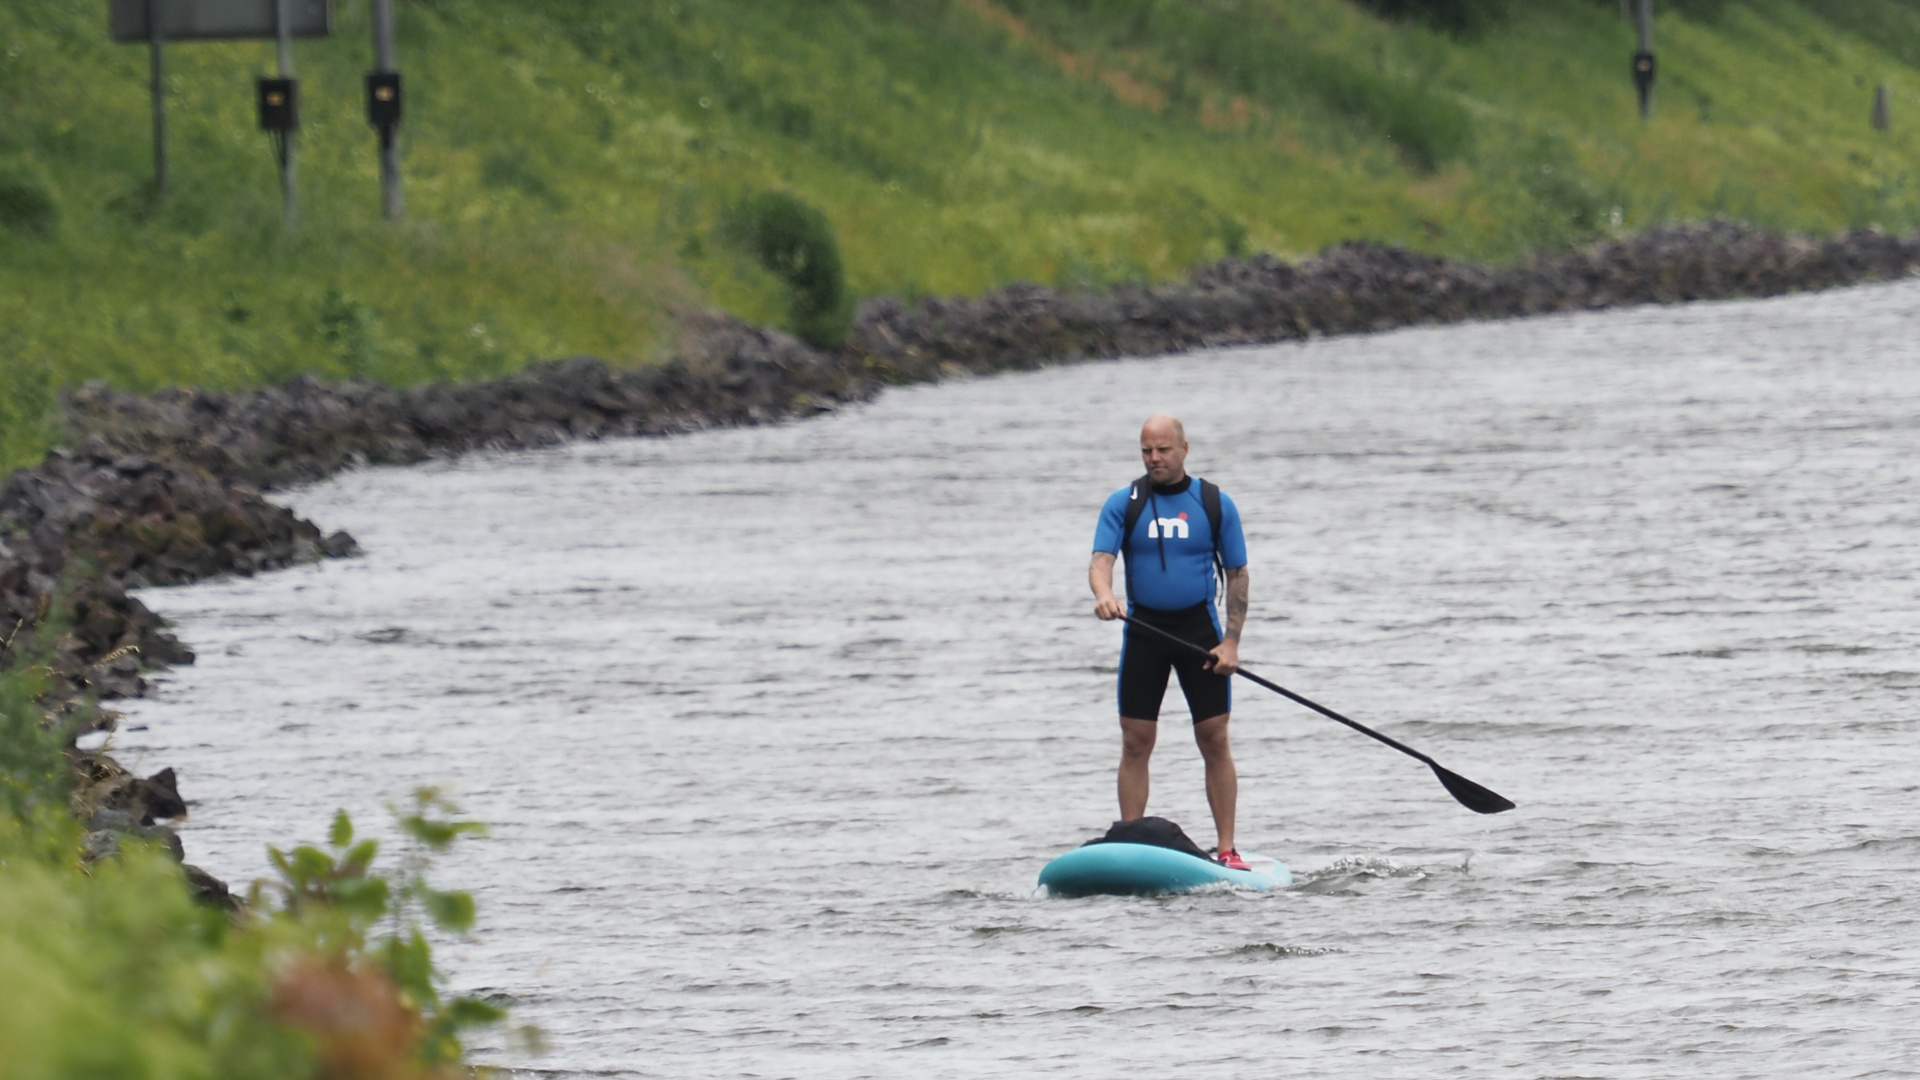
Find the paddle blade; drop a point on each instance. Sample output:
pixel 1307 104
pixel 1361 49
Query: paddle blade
pixel 1472 795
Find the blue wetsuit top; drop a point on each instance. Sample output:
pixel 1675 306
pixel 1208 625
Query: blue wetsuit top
pixel 1175 516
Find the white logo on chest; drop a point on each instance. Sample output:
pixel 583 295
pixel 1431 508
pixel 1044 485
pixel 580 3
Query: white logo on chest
pixel 1172 528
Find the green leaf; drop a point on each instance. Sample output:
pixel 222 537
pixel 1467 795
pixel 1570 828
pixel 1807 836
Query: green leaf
pixel 437 834
pixel 449 910
pixel 364 899
pixel 310 864
pixel 357 860
pixel 410 962
pixel 472 1012
pixel 342 832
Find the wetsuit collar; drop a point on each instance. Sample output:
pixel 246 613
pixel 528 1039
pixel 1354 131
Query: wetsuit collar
pixel 1173 489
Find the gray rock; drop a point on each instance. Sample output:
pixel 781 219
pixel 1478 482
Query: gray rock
pixel 209 890
pixel 109 820
pixel 100 844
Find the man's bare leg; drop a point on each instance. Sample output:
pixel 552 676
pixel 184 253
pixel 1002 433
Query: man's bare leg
pixel 1223 784
pixel 1136 749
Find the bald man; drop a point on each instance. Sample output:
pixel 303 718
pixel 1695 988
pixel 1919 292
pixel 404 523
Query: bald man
pixel 1172 552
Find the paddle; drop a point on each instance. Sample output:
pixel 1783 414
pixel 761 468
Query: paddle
pixel 1469 794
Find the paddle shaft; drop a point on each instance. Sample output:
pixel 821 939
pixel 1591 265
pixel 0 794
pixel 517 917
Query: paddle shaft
pixel 1288 694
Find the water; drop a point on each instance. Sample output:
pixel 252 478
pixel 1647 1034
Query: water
pixel 775 727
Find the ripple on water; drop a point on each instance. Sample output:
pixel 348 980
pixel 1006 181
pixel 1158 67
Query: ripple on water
pixel 775 727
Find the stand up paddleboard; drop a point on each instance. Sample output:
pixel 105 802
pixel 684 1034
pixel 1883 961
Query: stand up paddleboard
pixel 1118 869
pixel 1151 856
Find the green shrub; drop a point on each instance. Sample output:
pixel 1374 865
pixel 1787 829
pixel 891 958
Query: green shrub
pixel 795 243
pixel 333 892
pixel 26 206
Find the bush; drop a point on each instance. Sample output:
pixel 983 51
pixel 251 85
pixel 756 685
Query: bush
pixel 795 242
pixel 26 206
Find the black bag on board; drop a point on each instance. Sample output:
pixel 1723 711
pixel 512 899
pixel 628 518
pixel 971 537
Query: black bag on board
pixel 1152 831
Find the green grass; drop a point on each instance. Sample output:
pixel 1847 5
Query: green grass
pixel 569 162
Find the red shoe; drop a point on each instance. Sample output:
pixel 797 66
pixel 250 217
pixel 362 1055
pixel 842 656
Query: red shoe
pixel 1231 860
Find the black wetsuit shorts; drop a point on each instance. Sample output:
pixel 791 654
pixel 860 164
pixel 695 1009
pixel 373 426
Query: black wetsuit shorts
pixel 1145 661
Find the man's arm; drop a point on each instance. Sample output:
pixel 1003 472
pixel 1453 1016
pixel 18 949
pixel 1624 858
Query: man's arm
pixel 1226 655
pixel 1237 583
pixel 1100 578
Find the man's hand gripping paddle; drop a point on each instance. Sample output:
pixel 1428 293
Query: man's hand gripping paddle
pixel 1469 794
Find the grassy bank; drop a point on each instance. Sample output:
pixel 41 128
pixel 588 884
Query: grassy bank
pixel 569 162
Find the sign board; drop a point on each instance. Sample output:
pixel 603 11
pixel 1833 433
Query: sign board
pixel 218 20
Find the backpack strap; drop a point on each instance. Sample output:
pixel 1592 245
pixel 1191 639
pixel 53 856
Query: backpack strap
pixel 1136 504
pixel 1210 502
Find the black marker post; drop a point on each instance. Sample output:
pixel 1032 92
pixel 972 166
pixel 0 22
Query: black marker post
pixel 383 109
pixel 1643 69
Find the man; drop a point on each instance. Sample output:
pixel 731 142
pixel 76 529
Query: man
pixel 1170 554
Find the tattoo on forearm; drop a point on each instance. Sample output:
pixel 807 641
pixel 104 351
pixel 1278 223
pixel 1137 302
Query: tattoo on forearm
pixel 1236 603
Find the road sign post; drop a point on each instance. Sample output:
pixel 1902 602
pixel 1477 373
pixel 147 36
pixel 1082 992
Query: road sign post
pixel 1643 69
pixel 154 22
pixel 157 85
pixel 290 134
pixel 383 108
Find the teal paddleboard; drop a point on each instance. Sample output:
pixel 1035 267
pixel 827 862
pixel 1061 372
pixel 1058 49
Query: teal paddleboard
pixel 1144 870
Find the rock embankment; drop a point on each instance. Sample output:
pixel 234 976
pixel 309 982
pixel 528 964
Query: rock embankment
pixel 166 488
pixel 726 373
pixel 75 534
pixel 1358 288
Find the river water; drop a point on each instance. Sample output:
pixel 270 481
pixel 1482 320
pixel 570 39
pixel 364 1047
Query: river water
pixel 774 728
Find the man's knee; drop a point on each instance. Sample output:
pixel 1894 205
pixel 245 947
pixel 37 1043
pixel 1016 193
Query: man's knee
pixel 1137 737
pixel 1211 735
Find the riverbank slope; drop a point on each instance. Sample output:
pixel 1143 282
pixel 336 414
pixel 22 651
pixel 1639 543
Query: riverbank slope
pixel 568 164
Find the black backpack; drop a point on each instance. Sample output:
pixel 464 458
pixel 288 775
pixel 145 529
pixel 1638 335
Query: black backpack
pixel 1151 831
pixel 1137 502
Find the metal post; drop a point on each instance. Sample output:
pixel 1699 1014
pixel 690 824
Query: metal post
pixel 391 203
pixel 155 35
pixel 1643 59
pixel 289 191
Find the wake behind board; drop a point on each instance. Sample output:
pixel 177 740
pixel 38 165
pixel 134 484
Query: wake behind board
pixel 1121 869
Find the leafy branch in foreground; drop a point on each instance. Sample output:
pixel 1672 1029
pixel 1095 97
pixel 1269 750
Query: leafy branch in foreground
pixel 369 996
